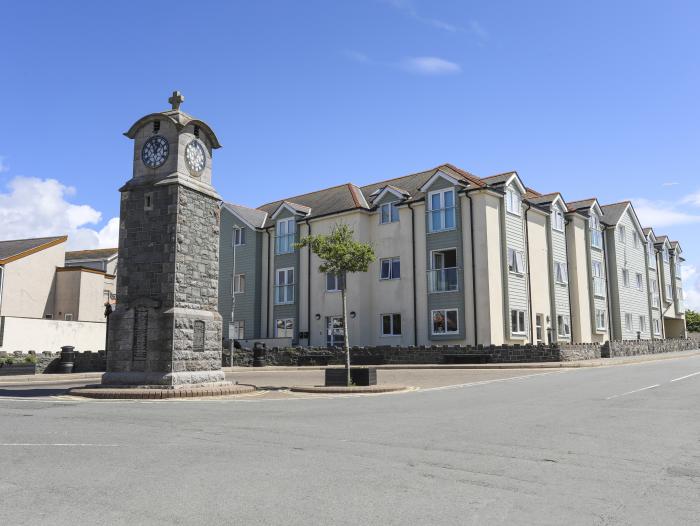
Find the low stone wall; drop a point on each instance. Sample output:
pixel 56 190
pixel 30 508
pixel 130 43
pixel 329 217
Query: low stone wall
pixel 569 352
pixel 47 362
pixel 636 347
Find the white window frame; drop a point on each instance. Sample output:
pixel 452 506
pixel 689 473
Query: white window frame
pixel 286 321
pixel 520 317
pixel 628 321
pixel 443 212
pixel 625 278
pixel 238 236
pixel 678 269
pixel 68 316
pixel 657 326
pixel 337 282
pixel 444 314
pixel 598 278
pixel 654 284
pixel 596 233
pixel 622 234
pixel 652 255
pixel 636 241
pixel 565 324
pixel 238 284
pixel 669 292
pixel 286 286
pixel 558 220
pixel 284 242
pixel 238 330
pixel 392 330
pixel 666 256
pixel 513 202
pixel 561 273
pixel 516 261
pixel 392 212
pixel 600 319
pixel 391 261
pixel 642 323
pixel 640 281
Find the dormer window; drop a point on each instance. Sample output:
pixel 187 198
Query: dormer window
pixel 512 202
pixel 666 256
pixel 441 211
pixel 622 234
pixel 389 212
pixel 652 254
pixel 238 236
pixel 596 234
pixel 558 220
pixel 286 229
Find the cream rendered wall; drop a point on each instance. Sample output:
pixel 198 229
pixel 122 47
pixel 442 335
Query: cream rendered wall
pixel 29 281
pixel 470 337
pixel 488 266
pixel 302 278
pixel 91 299
pixel 579 279
pixel 539 279
pixel 421 269
pixel 67 294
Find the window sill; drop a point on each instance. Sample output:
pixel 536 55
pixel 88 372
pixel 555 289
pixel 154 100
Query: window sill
pixel 515 214
pixel 599 249
pixel 388 222
pixel 599 296
pixel 442 230
pixel 389 335
pixel 518 335
pixel 601 330
pixel 514 273
pixel 285 303
pixel 389 279
pixel 442 291
pixel 562 283
pixel 445 333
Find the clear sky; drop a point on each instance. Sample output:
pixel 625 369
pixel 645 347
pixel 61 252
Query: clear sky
pixel 593 98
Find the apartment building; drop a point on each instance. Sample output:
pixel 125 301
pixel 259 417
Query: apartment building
pixel 460 260
pixel 669 261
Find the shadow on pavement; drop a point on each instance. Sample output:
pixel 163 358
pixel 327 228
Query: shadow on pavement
pixel 13 392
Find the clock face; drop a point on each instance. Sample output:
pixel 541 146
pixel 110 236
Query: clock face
pixel 195 157
pixel 155 151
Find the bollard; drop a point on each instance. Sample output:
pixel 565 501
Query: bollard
pixel 65 366
pixel 259 352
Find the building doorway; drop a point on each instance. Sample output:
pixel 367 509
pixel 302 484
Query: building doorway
pixel 335 331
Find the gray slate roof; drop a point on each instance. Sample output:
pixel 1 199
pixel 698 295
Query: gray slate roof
pixel 98 253
pixel 613 213
pixel 578 205
pixel 251 216
pixel 14 247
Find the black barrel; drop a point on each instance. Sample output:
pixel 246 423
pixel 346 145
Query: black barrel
pixel 259 354
pixel 67 359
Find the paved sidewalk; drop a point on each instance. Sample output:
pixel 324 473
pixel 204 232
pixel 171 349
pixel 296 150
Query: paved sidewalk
pixel 602 362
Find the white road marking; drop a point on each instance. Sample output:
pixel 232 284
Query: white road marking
pixel 635 391
pixel 59 445
pixel 686 376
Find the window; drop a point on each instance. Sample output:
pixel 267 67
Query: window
pixel 334 282
pixel 284 289
pixel 516 261
pixel 561 273
pixel 654 292
pixel 640 282
pixel 335 331
pixel 444 321
pixel 442 276
pixel 678 268
pixel 238 283
pixel 512 201
pixel 558 221
pixel 643 323
pixel 596 234
pixel 285 235
pixel 68 316
pixel 665 254
pixel 48 316
pixel 391 324
pixel 442 210
pixel 652 254
pixel 238 236
pixel 600 319
pixel 625 277
pixel 621 234
pixel 657 326
pixel 238 330
pixel 390 268
pixel 628 321
pixel 539 328
pixel 284 328
pixel 635 240
pixel 563 326
pixel 388 213
pixel 669 292
pixel 517 322
pixel 148 201
pixel 598 279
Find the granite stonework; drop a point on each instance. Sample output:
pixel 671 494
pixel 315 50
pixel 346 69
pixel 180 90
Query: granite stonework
pixel 48 362
pixel 637 347
pixel 166 329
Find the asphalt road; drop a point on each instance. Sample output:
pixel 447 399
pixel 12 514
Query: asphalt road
pixel 615 445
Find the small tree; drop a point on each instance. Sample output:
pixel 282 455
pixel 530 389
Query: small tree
pixel 341 255
pixel 692 321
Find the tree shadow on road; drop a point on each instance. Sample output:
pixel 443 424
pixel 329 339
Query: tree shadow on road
pixel 11 392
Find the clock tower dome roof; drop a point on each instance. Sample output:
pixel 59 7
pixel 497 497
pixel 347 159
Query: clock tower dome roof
pixel 179 118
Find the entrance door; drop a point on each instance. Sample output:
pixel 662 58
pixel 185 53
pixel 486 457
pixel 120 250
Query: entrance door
pixel 539 328
pixel 335 332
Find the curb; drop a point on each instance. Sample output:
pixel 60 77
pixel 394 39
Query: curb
pixel 359 389
pixel 135 393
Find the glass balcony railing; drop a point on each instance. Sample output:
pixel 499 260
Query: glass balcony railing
pixel 443 280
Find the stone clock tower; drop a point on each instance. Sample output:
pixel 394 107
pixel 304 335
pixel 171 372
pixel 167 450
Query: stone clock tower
pixel 166 329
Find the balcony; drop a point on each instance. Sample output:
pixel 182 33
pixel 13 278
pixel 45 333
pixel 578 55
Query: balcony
pixel 443 280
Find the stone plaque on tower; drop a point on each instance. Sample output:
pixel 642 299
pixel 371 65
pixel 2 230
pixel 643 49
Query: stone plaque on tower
pixel 166 329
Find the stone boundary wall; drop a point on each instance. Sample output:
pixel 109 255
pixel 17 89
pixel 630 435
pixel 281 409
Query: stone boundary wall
pixel 637 347
pixel 47 362
pixel 569 352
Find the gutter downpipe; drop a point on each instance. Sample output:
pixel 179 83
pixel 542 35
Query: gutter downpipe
pixel 607 283
pixel 568 282
pixel 413 256
pixel 529 269
pixel 267 295
pixel 471 239
pixel 308 285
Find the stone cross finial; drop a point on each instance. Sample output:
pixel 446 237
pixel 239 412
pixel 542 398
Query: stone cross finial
pixel 177 99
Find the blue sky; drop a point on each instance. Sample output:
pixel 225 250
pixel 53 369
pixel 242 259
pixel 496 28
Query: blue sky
pixel 587 98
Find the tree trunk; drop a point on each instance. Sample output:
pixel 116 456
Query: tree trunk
pixel 346 339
